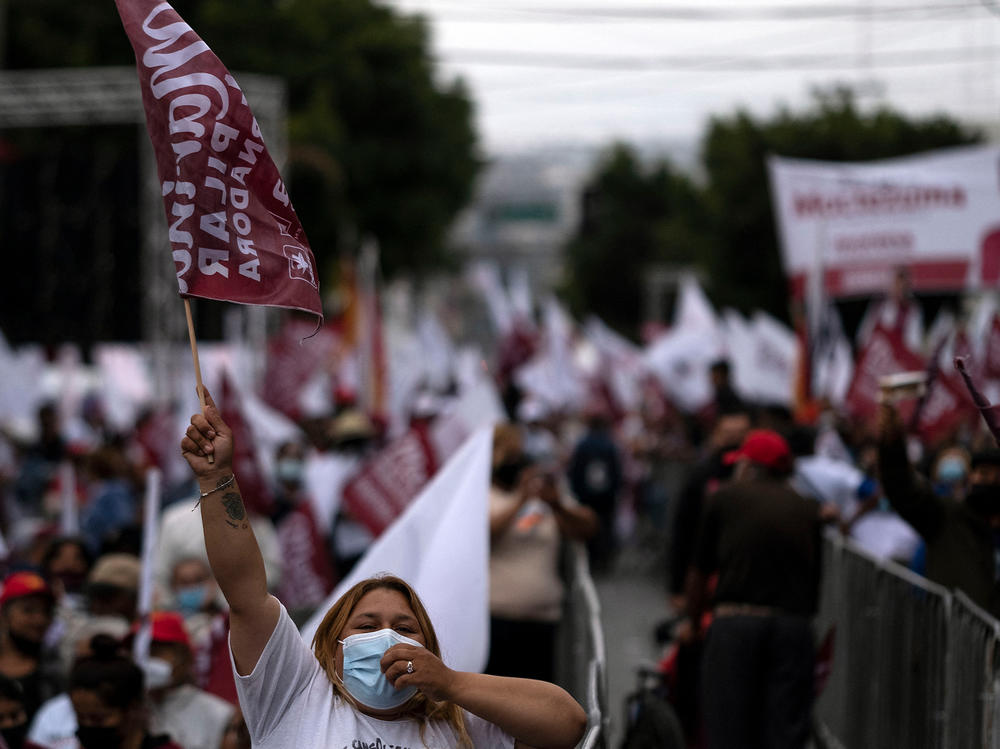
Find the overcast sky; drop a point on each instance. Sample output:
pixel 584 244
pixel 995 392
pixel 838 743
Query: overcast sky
pixel 589 71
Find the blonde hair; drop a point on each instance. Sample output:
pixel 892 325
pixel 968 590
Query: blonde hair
pixel 324 643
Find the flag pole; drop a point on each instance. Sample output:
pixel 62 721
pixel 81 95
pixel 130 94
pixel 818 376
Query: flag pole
pixel 194 357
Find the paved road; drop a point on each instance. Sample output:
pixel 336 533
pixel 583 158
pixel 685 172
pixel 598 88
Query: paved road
pixel 633 600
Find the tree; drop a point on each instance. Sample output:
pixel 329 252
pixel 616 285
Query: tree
pixel 636 216
pixel 734 154
pixel 378 146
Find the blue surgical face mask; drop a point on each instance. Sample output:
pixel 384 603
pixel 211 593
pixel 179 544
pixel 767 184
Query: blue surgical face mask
pixel 951 471
pixel 289 470
pixel 363 677
pixel 191 600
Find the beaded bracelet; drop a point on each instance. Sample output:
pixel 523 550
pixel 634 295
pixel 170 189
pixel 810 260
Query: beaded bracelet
pixel 227 482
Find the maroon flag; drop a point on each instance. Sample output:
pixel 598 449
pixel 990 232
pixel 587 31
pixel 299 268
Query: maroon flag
pixel 992 355
pixel 291 366
pixel 990 413
pixel 232 229
pixel 386 484
pixel 943 409
pixel 885 353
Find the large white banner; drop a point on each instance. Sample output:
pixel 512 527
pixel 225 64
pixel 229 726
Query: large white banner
pixel 936 213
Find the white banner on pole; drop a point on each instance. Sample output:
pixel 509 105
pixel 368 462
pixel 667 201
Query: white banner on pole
pixel 69 515
pixel 150 531
pixel 936 213
pixel 440 546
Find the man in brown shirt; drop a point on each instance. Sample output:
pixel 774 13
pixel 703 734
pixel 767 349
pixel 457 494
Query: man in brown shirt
pixel 762 540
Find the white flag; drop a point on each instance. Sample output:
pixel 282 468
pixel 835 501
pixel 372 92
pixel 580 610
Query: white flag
pixel 440 546
pixel 485 278
pixel 693 312
pixel 680 359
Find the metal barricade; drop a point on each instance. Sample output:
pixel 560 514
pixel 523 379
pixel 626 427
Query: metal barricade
pixel 580 659
pixel 891 648
pixel 972 676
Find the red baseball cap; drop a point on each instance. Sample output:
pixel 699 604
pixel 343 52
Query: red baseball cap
pixel 167 626
pixel 21 584
pixel 763 446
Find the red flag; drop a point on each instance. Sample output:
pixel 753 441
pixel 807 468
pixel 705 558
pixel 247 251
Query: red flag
pixel 516 348
pixel 305 555
pixel 154 439
pixel 992 355
pixel 291 366
pixel 944 409
pixel 883 354
pixel 234 234
pixel 387 483
pixel 254 485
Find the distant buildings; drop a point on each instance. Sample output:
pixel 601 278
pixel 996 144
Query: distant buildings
pixel 525 210
pixel 528 205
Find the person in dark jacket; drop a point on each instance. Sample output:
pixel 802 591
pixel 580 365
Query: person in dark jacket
pixel 595 478
pixel 26 606
pixel 962 538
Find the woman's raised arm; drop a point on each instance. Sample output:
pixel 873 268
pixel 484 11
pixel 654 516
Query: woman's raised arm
pixel 229 540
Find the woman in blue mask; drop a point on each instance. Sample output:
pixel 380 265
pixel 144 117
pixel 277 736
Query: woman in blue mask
pixel 374 676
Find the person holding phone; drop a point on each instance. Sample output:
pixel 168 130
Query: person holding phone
pixel 530 516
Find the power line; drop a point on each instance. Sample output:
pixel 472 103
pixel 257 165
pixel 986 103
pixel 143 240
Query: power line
pixel 991 6
pixel 731 13
pixel 720 63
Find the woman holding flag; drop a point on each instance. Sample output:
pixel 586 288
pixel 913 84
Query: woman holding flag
pixel 375 672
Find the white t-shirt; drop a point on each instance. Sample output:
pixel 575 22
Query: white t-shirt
pixel 828 480
pixel 288 701
pixel 193 718
pixel 54 725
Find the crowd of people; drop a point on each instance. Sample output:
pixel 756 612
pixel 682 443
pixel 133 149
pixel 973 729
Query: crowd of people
pixel 70 602
pixel 728 504
pixel 744 551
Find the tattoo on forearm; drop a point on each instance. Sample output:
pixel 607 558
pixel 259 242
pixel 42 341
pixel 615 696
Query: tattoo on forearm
pixel 235 510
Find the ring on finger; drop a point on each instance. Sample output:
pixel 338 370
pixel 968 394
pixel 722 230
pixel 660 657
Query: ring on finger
pixel 409 667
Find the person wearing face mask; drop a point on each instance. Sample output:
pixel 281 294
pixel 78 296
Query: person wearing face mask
pixel 304 550
pixel 26 606
pixel 108 697
pixel 192 717
pixel 65 566
pixel 192 589
pixel 54 725
pixel 13 718
pixel 962 538
pixel 374 675
pixel 950 470
pixel 529 517
pixel 196 597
